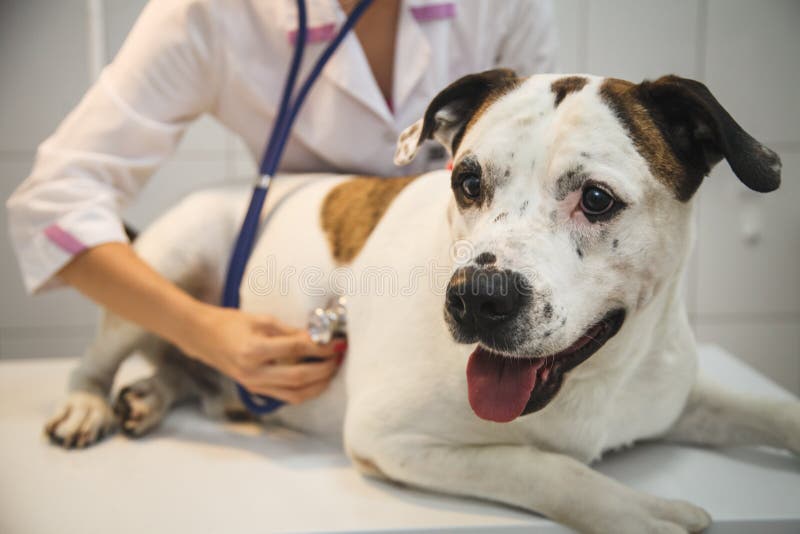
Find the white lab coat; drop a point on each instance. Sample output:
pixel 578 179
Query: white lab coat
pixel 229 58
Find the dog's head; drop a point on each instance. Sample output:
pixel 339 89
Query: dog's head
pixel 575 195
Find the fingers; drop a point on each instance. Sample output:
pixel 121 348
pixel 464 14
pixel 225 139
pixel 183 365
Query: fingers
pixel 271 326
pixel 296 395
pixel 293 376
pixel 284 341
pixel 272 360
pixel 297 345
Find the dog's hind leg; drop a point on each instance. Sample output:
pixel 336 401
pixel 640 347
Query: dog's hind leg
pixel 142 405
pixel 85 416
pixel 718 417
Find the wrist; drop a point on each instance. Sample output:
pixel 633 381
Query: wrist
pixel 186 319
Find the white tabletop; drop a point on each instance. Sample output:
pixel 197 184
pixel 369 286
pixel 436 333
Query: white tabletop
pixel 197 475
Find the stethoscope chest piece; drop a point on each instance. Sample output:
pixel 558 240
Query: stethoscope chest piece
pixel 329 322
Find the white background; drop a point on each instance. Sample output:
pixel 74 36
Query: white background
pixel 743 294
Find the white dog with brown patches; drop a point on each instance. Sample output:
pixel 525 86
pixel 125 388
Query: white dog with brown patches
pixel 533 319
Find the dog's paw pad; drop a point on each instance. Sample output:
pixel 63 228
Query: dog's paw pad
pixel 81 420
pixel 139 408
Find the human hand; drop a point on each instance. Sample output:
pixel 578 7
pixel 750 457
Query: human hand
pixel 261 353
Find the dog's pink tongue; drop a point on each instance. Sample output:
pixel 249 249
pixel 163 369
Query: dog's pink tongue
pixel 499 387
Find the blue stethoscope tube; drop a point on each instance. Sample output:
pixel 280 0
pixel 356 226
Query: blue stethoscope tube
pixel 287 114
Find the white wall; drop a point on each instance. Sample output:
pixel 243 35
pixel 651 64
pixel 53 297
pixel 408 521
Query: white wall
pixel 743 293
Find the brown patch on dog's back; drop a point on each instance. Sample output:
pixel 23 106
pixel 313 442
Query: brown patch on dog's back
pixel 352 209
pixel 564 86
pixel 621 97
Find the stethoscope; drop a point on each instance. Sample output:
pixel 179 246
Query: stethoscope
pixel 328 320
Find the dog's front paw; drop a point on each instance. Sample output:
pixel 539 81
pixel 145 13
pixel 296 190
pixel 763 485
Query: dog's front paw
pixel 81 420
pixel 139 407
pixel 670 516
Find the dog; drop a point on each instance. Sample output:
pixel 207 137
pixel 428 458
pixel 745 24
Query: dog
pixel 536 318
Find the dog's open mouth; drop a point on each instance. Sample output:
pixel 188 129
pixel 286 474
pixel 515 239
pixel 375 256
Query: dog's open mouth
pixel 502 388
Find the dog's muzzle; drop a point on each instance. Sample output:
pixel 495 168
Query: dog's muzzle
pixel 482 301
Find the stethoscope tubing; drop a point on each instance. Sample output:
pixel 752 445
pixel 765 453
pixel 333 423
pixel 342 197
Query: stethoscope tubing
pixel 287 113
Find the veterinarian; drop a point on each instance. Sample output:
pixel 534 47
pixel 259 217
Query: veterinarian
pixel 184 58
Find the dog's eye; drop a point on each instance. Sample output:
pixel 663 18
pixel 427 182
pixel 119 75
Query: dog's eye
pixel 471 186
pixel 595 201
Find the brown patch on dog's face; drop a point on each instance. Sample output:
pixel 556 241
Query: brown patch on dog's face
pixel 697 130
pixel 564 86
pixel 352 209
pixel 620 96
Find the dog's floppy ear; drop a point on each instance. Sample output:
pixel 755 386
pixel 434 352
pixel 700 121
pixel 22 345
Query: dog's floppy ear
pixel 700 133
pixel 450 111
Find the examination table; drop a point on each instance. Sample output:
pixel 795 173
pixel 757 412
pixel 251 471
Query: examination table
pixel 195 475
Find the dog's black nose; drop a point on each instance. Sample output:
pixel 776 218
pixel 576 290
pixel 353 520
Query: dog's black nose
pixel 482 298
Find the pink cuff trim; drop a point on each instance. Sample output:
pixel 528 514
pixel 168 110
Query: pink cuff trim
pixel 434 12
pixel 315 34
pixel 64 240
